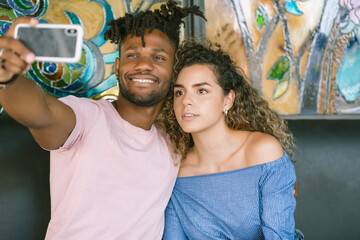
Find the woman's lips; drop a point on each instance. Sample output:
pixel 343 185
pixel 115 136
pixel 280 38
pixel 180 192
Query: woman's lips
pixel 189 116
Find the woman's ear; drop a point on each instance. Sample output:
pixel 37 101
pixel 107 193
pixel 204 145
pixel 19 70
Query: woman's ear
pixel 229 100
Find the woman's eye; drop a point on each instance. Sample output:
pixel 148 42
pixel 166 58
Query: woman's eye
pixel 178 93
pixel 202 91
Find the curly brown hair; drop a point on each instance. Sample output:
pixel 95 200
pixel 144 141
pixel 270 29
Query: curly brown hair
pixel 249 112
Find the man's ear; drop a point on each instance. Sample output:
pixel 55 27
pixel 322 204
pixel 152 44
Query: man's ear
pixel 117 66
pixel 229 100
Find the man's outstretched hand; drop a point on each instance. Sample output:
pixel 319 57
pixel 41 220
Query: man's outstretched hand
pixel 15 58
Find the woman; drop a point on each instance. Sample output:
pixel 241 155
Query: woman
pixel 236 179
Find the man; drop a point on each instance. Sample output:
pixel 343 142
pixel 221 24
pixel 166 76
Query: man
pixel 111 170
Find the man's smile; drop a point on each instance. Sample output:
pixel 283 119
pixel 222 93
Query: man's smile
pixel 143 79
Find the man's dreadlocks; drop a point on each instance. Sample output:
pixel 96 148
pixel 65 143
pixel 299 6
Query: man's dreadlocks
pixel 167 19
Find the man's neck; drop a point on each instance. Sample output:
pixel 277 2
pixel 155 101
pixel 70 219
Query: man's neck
pixel 142 117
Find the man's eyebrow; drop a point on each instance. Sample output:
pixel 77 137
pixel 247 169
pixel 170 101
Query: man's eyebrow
pixel 159 50
pixel 194 85
pixel 131 48
pixel 153 49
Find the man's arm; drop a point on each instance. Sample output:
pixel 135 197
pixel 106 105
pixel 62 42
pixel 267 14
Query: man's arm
pixel 49 120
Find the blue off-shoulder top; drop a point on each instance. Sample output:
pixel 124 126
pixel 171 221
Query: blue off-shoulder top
pixel 250 203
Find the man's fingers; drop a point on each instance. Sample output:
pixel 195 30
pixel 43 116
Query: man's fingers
pixel 15 57
pixel 29 20
pixel 8 44
pixel 12 63
pixel 13 68
pixel 11 47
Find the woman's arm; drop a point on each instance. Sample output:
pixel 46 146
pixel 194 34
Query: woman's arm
pixel 173 229
pixel 277 202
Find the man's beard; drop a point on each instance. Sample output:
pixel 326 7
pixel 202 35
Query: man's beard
pixel 148 100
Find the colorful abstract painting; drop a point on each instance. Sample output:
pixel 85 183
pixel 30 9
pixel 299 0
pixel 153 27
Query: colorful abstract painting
pixel 93 76
pixel 302 56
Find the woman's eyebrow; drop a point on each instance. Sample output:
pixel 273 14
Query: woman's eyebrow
pixel 201 84
pixel 194 85
pixel 178 85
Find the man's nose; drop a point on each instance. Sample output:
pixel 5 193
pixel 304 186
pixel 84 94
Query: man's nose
pixel 144 64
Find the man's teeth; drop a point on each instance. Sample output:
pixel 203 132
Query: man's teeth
pixel 143 80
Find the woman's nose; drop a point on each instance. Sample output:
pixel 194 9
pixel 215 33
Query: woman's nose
pixel 187 99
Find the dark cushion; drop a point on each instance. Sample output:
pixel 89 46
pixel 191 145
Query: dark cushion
pixel 24 183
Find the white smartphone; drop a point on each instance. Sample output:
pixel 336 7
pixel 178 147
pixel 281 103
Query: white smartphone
pixel 52 42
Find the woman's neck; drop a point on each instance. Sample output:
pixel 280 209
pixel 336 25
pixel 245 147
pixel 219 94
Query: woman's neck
pixel 214 146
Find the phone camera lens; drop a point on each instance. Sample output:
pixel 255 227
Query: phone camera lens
pixel 72 31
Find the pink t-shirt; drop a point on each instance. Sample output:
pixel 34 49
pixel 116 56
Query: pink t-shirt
pixel 110 180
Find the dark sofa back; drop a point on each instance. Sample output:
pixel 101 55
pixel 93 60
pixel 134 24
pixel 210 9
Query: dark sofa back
pixel 328 167
pixel 328 170
pixel 24 184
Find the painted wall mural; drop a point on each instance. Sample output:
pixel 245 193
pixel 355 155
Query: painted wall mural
pixel 93 76
pixel 303 56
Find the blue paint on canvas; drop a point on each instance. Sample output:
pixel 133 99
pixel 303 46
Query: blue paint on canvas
pixel 348 76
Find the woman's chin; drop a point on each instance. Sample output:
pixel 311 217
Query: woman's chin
pixel 189 129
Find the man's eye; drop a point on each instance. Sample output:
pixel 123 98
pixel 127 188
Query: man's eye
pixel 178 93
pixel 202 91
pixel 131 55
pixel 159 58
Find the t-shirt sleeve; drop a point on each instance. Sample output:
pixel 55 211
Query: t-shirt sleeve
pixel 173 229
pixel 277 202
pixel 84 111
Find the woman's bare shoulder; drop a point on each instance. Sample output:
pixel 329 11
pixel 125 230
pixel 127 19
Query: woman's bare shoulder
pixel 262 148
